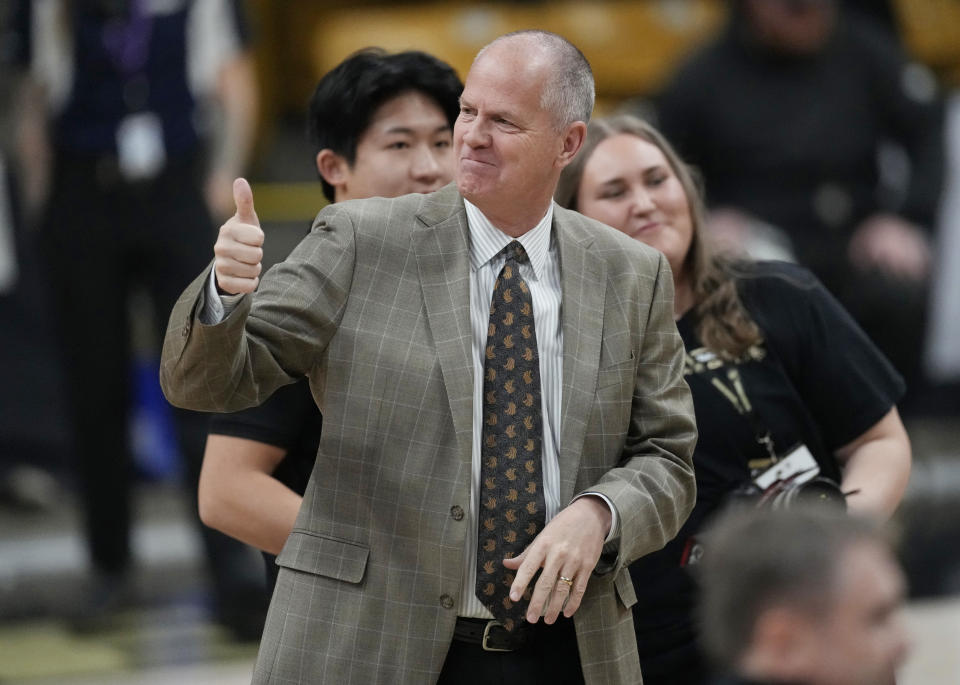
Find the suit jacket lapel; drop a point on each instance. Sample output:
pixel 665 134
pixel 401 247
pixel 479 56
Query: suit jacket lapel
pixel 583 276
pixel 443 260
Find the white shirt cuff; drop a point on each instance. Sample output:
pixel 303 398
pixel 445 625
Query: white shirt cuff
pixel 615 517
pixel 217 307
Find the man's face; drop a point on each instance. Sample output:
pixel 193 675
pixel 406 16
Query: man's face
pixel 506 145
pixel 405 149
pixel 862 640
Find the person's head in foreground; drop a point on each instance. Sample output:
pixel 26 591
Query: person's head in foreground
pixel 382 125
pixel 802 596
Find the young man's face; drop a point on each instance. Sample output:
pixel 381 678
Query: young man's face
pixel 405 149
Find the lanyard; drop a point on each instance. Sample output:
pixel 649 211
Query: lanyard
pixel 727 381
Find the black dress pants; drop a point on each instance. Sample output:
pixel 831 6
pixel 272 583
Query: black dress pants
pixel 550 658
pixel 102 237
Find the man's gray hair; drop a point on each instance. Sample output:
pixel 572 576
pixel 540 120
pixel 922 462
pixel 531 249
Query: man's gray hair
pixel 569 90
pixel 755 559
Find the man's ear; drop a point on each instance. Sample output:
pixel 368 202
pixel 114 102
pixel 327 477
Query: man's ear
pixel 573 138
pixel 786 639
pixel 332 167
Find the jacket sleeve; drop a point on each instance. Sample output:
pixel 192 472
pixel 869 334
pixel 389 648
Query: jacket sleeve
pixel 653 486
pixel 272 337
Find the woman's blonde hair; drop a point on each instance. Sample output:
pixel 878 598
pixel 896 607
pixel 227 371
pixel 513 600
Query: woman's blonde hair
pixel 723 324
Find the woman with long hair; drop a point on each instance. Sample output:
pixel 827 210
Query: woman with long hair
pixel 793 401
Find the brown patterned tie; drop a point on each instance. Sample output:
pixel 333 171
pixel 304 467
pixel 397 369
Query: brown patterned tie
pixel 512 509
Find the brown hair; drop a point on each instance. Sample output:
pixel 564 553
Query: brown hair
pixel 724 326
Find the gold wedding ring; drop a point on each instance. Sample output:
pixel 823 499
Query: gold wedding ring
pixel 568 581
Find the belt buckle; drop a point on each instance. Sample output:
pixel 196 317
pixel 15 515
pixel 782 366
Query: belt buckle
pixel 486 635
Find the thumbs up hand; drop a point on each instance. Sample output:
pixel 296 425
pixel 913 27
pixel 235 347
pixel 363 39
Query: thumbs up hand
pixel 239 247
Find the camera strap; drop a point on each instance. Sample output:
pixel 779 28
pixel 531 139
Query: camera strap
pixel 728 382
pixel 793 464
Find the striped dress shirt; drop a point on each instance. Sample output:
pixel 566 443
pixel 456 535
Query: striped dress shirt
pixel 542 274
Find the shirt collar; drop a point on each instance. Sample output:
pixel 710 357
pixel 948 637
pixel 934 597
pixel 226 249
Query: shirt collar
pixel 486 240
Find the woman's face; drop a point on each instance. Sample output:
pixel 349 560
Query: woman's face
pixel 628 184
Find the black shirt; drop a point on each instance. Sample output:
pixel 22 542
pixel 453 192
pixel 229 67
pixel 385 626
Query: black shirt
pixel 126 58
pixel 289 419
pixel 815 380
pixel 742 680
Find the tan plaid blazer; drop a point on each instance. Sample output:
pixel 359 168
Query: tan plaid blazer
pixel 373 306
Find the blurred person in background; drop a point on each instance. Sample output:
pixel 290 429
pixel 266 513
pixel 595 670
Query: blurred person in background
pixel 787 389
pixel 880 12
pixel 32 437
pixel 787 114
pixel 802 596
pixel 122 181
pixel 381 125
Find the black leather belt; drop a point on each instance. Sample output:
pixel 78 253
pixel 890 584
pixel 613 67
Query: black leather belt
pixel 491 635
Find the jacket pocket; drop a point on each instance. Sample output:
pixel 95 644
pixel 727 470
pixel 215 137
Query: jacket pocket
pixel 323 555
pixel 625 589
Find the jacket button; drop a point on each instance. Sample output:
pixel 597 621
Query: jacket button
pixel 456 511
pixel 185 331
pixel 446 601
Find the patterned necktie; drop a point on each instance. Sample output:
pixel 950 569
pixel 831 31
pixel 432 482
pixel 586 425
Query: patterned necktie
pixel 512 509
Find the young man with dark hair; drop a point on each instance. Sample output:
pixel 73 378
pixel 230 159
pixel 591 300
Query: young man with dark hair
pixel 351 96
pixel 381 125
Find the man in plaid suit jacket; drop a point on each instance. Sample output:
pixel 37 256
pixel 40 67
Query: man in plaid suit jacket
pixel 374 306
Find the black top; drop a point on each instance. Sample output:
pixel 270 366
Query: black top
pixel 815 380
pixel 127 58
pixel 741 680
pixel 793 140
pixel 289 419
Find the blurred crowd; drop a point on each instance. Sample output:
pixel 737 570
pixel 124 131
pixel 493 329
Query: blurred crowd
pixel 817 138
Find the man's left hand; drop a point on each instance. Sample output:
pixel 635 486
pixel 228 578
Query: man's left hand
pixel 568 547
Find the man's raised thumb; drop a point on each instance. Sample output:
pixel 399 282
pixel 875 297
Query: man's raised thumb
pixel 243 197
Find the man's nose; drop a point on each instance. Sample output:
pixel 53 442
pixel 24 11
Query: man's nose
pixel 475 134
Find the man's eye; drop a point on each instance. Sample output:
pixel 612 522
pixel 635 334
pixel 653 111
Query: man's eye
pixel 442 143
pixel 399 145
